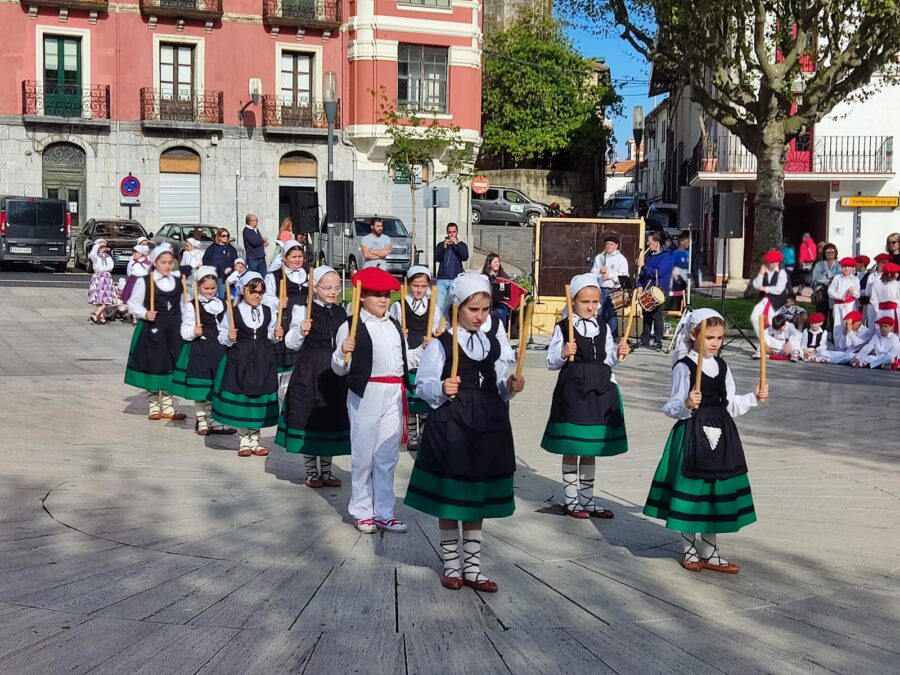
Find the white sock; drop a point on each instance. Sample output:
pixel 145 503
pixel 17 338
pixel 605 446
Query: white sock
pixel 450 552
pixel 312 468
pixel 709 550
pixel 200 409
pixel 688 547
pixel 167 401
pixel 325 467
pixel 472 552
pixel 570 486
pixel 586 487
pixel 245 433
pixel 153 401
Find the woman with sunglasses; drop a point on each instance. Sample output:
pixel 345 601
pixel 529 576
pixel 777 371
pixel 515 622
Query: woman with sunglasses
pixel 892 247
pixel 824 271
pixel 221 255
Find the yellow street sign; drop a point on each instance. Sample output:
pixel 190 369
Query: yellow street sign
pixel 870 202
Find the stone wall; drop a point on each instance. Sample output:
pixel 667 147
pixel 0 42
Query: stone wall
pixel 542 185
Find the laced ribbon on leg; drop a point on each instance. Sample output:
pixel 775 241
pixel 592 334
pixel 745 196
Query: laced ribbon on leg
pixel 472 557
pixel 570 486
pixel 709 550
pixel 450 553
pixel 325 467
pixel 688 547
pixel 586 487
pixel 312 470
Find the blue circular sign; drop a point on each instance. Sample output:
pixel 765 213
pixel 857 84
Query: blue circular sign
pixel 130 186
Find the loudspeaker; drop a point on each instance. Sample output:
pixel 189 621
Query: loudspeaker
pixel 690 208
pixel 731 215
pixel 305 211
pixel 339 201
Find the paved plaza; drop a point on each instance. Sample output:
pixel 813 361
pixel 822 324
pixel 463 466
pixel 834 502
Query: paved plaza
pixel 130 546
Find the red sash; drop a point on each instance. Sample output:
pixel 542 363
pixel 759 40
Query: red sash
pixel 394 379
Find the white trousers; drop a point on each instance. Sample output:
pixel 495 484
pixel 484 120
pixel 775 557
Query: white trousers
pixel 876 360
pixel 870 313
pixel 376 428
pixel 839 311
pixel 764 306
pixel 776 345
pixel 837 356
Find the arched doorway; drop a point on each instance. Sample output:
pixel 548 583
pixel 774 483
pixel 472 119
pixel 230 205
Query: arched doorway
pixel 63 170
pixel 179 186
pixel 297 172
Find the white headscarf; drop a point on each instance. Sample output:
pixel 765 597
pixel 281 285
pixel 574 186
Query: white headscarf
pixel 193 242
pixel 683 341
pixel 159 250
pixel 95 249
pixel 205 271
pixel 245 279
pixel 580 281
pixel 418 269
pixel 143 249
pixel 467 285
pixel 320 272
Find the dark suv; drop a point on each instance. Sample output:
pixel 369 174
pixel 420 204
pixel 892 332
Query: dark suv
pixel 506 205
pixel 34 230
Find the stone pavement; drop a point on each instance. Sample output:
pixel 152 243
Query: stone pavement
pixel 134 547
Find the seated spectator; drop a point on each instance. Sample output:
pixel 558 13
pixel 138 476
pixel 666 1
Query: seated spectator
pixel 500 288
pixel 782 339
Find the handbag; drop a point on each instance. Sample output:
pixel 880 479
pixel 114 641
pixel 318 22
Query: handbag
pixel 820 296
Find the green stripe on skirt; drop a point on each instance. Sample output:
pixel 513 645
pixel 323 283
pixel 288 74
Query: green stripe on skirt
pixel 317 443
pixel 190 388
pixel 240 410
pixel 697 504
pixel 565 438
pixel 140 379
pixel 416 405
pixel 459 500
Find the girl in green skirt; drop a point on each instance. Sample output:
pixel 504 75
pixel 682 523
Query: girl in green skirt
pixel 701 482
pixel 466 460
pixel 245 393
pixel 586 416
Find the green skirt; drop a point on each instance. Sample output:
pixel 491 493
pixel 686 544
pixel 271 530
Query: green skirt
pixel 316 443
pixel 140 376
pixel 459 499
pixel 605 438
pixel 239 410
pixel 416 405
pixel 696 504
pixel 186 386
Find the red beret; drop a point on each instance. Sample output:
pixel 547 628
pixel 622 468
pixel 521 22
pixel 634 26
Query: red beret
pixel 773 256
pixel 375 280
pixel 863 259
pixel 881 257
pixel 891 268
pixel 855 315
pixel 848 262
pixel 817 317
pixel 886 321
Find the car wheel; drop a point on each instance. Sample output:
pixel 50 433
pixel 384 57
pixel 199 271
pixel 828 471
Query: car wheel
pixel 476 217
pixel 531 219
pixel 88 265
pixel 61 266
pixel 352 268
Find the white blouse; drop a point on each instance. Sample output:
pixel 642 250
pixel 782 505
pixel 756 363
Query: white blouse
pixel 212 306
pixel 137 268
pixel 780 282
pixel 588 328
pixel 823 343
pixel 251 320
pixel 886 292
pixel 192 259
pixel 294 337
pixel 840 287
pixel 139 290
pixel 103 262
pixel 297 276
pixel 387 350
pixel 681 386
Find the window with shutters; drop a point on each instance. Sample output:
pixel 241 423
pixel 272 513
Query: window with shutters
pixel 422 78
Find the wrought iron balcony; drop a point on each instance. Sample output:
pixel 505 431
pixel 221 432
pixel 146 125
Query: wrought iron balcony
pixel 65 102
pixel 184 9
pixel 324 14
pixel 167 108
pixel 283 115
pixel 90 5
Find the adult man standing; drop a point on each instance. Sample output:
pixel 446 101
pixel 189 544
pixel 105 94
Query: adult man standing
pixel 609 266
pixel 375 246
pixel 657 271
pixel 254 245
pixel 449 255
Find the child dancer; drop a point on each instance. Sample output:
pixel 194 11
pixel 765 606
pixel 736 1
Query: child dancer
pixel 102 291
pixel 855 336
pixel 296 286
pixel 772 283
pixel 586 416
pixel 707 489
pixel 415 307
pixel 882 350
pixel 782 339
pixel 245 393
pixel 314 415
pixel 814 343
pixel 466 461
pixel 874 282
pixel 844 290
pixel 866 281
pixel 376 401
pixel 199 360
pixel 157 338
pixel 192 258
pixel 886 294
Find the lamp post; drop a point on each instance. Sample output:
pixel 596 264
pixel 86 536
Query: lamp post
pixel 330 104
pixel 637 128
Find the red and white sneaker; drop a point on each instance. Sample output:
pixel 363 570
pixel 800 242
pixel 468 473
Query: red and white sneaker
pixel 391 525
pixel 366 526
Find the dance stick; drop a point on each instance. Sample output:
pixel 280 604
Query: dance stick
pixel 524 334
pixel 184 293
pixel 196 303
pixel 282 293
pixel 570 318
pixel 311 293
pixel 454 368
pixel 432 301
pixel 152 282
pixel 403 309
pixel 442 325
pixel 357 296
pixel 763 351
pixel 700 348
pixel 230 304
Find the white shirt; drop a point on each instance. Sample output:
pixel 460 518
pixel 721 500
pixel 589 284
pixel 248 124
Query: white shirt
pixel 777 339
pixel 476 345
pixel 297 276
pixel 852 340
pixel 138 268
pixel 682 385
pixel 387 350
pixel 294 337
pixel 823 343
pixel 886 292
pixel 103 262
pixel 616 266
pixel 138 292
pixel 251 320
pixel 780 283
pixel 212 306
pixel 880 345
pixel 587 328
pixel 419 307
pixel 840 287
pixel 192 259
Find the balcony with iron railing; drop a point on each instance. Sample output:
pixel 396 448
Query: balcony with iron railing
pixel 282 115
pixel 65 104
pixel 324 14
pixel 207 10
pixel 92 6
pixel 808 155
pixel 197 110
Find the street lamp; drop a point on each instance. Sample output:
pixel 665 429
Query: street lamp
pixel 637 128
pixel 331 106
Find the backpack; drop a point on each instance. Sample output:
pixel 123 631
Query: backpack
pixel 790 254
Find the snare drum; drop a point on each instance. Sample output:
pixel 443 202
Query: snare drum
pixel 619 299
pixel 651 298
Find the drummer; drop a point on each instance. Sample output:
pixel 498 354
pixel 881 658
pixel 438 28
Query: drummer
pixel 656 273
pixel 610 266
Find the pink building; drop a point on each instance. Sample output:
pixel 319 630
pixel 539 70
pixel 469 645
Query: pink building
pixel 91 91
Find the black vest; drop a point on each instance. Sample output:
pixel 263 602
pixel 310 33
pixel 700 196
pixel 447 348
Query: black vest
pixel 416 325
pixel 297 294
pixel 361 363
pixel 210 323
pixel 244 332
pixel 166 303
pixel 713 388
pixel 589 349
pixel 778 300
pixel 325 324
pixel 474 375
pixel 863 284
pixel 813 340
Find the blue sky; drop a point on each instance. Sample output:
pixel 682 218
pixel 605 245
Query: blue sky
pixel 630 74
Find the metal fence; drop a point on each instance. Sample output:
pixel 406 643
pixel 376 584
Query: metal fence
pixel 283 111
pixel 313 11
pixel 56 100
pixel 202 107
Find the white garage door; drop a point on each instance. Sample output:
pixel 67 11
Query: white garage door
pixel 179 198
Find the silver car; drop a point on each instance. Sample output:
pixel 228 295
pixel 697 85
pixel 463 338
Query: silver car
pixel 347 249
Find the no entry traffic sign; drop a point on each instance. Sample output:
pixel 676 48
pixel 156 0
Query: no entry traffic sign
pixel 130 186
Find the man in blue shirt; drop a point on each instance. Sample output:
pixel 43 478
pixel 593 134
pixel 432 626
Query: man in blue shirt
pixel 657 271
pixel 375 246
pixel 254 245
pixel 450 255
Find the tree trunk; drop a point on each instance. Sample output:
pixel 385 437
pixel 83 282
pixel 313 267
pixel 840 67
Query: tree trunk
pixel 769 214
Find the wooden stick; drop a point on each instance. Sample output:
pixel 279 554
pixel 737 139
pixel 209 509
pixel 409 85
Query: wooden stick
pixel 521 321
pixel 571 318
pixel 524 335
pixel 403 310
pixel 700 348
pixel 354 323
pixel 763 351
pixel 454 368
pixel 152 281
pixel 432 301
pixel 442 325
pixel 311 294
pixel 184 292
pixel 230 305
pixel 196 303
pixel 282 293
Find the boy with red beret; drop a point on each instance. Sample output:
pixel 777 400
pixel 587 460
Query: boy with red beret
pixel 843 290
pixel 772 283
pixel 864 274
pixel 814 342
pixel 882 350
pixel 376 368
pixel 886 295
pixel 873 285
pixel 855 336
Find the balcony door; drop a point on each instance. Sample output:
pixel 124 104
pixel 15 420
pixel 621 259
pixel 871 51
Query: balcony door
pixel 62 76
pixel 176 82
pixel 800 151
pixel 296 89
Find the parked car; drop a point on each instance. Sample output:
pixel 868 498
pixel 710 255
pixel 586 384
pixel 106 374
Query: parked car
pixel 119 234
pixel 34 230
pixel 506 205
pixel 663 217
pixel 621 206
pixel 175 234
pixel 347 251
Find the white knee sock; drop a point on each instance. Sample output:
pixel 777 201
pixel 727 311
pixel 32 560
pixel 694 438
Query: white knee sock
pixel 472 556
pixel 570 486
pixel 586 487
pixel 688 547
pixel 167 401
pixel 709 550
pixel 153 401
pixel 246 441
pixel 450 552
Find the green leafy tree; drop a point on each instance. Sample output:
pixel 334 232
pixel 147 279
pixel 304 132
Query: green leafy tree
pixel 766 70
pixel 539 96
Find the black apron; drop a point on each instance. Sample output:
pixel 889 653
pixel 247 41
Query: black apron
pixel 206 350
pixel 416 325
pixel 159 343
pixel 297 294
pixel 250 361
